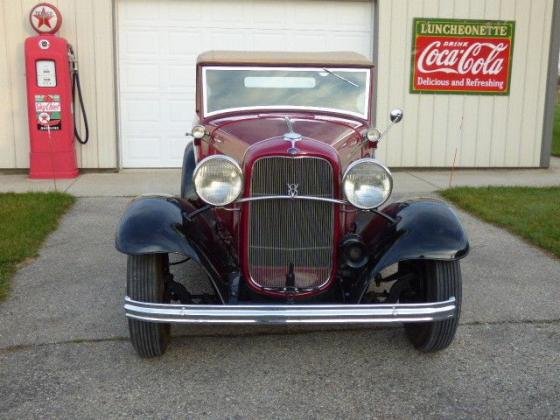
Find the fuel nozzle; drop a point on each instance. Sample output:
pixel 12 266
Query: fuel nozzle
pixel 72 58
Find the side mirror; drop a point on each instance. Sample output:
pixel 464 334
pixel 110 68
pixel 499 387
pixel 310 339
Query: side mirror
pixel 396 115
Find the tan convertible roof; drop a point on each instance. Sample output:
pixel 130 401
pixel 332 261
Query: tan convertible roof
pixel 331 58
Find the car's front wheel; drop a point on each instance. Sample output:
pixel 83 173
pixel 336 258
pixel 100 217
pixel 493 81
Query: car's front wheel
pixel 146 276
pixel 438 281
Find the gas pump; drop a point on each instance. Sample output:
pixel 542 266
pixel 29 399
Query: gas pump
pixel 52 84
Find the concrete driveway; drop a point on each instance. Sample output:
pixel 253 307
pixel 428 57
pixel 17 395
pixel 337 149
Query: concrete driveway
pixel 64 350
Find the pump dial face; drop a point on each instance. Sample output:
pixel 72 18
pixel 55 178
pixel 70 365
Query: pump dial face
pixel 45 18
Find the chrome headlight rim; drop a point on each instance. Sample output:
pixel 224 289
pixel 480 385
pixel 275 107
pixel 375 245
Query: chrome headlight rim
pixel 382 166
pixel 200 164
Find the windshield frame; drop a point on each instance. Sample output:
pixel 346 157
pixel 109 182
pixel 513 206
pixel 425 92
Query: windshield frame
pixel 273 108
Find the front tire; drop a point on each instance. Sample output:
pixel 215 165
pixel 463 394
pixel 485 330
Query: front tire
pixel 439 281
pixel 146 276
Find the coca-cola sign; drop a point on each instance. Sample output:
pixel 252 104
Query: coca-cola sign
pixel 461 56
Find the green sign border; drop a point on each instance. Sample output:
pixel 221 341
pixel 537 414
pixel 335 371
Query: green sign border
pixel 415 21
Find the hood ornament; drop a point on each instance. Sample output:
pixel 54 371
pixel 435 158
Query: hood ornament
pixel 291 136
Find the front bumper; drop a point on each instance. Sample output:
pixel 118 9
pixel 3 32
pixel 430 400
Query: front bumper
pixel 290 314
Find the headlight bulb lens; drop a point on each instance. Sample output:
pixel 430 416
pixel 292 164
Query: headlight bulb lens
pixel 373 134
pixel 367 184
pixel 198 131
pixel 218 180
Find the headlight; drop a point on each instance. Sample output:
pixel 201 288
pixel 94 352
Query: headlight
pixel 367 183
pixel 198 131
pixel 218 180
pixel 373 134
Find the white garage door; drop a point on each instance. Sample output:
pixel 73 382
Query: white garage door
pixel 158 42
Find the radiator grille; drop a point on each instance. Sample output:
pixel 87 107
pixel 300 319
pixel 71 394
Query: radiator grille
pixel 286 233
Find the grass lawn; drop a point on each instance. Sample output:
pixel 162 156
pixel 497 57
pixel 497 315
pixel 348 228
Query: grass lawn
pixel 532 213
pixel 556 133
pixel 25 221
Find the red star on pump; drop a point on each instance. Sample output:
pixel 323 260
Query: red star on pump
pixel 43 18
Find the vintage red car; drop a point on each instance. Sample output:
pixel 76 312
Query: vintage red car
pixel 283 204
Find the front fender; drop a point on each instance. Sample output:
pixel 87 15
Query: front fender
pixel 158 224
pixel 152 225
pixel 425 229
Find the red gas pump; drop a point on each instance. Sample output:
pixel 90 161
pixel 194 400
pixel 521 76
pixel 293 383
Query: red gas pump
pixel 52 78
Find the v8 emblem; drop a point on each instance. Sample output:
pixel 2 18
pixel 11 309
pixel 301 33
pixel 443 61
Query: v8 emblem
pixel 293 190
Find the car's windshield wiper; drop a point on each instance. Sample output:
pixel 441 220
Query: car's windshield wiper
pixel 338 76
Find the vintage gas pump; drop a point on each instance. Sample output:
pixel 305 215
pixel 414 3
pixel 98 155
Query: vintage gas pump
pixel 52 81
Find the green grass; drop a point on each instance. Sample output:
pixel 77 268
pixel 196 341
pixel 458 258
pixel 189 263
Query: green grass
pixel 556 132
pixel 25 221
pixel 532 213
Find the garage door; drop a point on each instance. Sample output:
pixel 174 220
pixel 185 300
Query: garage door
pixel 158 42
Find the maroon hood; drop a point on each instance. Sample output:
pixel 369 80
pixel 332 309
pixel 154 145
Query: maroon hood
pixel 255 128
pixel 262 134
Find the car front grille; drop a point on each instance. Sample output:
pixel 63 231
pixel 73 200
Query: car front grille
pixel 291 236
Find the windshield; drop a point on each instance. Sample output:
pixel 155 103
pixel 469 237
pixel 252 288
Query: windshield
pixel 343 90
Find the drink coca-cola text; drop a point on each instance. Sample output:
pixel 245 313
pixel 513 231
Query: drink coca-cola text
pixel 479 57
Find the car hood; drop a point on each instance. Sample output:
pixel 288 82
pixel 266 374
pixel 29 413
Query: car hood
pixel 252 129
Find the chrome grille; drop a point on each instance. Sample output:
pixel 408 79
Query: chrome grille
pixel 286 233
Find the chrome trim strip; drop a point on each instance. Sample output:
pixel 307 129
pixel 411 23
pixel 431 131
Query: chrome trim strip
pixel 148 195
pixel 289 197
pixel 291 314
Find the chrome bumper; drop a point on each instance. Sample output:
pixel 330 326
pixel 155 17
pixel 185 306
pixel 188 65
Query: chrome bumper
pixel 290 314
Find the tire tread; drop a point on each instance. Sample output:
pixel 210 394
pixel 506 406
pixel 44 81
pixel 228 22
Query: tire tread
pixel 145 282
pixel 443 281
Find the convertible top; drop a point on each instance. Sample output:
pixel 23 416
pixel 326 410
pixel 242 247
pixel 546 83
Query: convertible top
pixel 331 58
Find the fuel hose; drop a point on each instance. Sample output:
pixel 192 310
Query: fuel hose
pixel 76 87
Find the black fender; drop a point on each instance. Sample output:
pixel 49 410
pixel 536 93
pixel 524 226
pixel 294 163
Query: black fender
pixel 189 163
pixel 423 229
pixel 160 224
pixel 152 225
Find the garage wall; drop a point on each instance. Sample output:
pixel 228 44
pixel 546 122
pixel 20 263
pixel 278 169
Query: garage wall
pixel 486 131
pixel 88 26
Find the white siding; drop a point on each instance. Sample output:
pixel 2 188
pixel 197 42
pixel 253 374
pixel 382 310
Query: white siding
pixel 88 26
pixel 486 131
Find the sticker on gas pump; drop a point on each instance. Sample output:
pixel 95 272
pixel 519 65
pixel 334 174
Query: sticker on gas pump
pixel 48 112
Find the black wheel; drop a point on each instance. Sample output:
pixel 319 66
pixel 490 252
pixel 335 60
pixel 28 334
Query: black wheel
pixel 438 280
pixel 146 282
